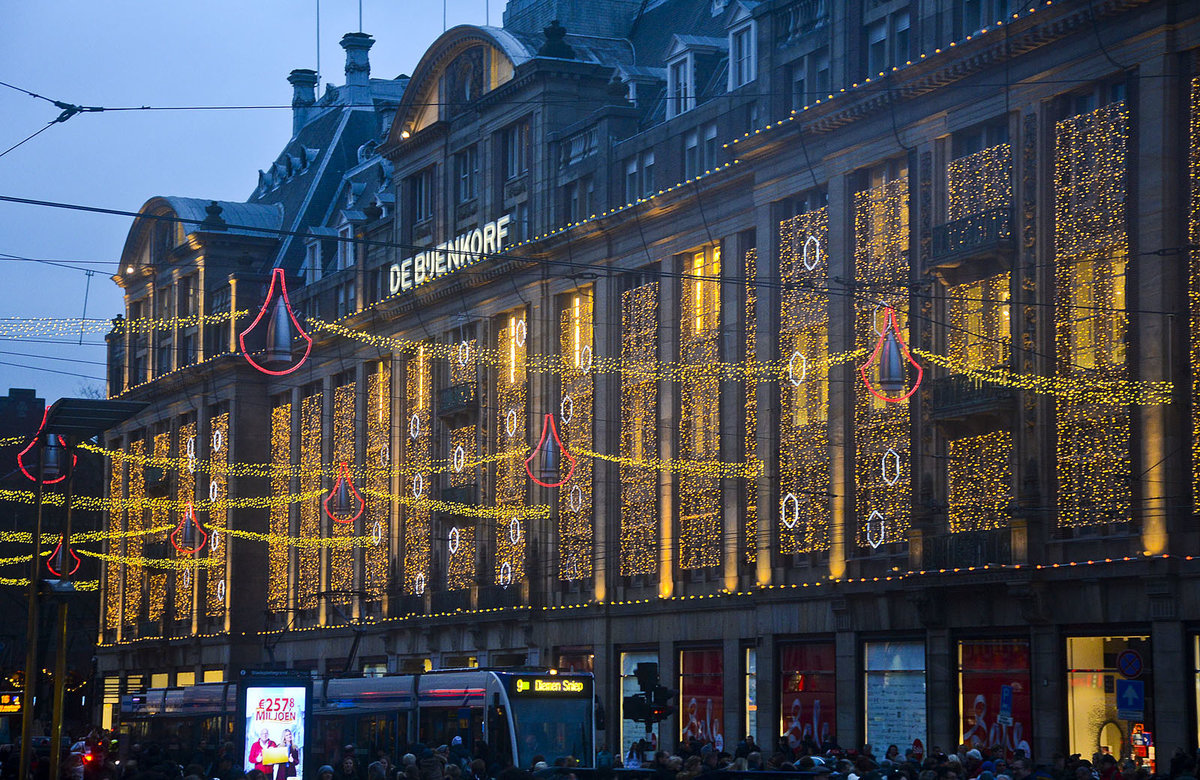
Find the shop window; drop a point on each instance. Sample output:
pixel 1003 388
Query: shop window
pixel 185 679
pixel 750 689
pixel 632 731
pixel 895 692
pixel 701 697
pixel 808 705
pixel 374 670
pixel 214 675
pixel 1099 668
pixel 576 659
pixel 160 680
pixel 995 703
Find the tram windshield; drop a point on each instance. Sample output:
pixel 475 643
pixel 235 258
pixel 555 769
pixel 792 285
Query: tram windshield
pixel 552 729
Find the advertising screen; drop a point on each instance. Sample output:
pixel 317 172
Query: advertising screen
pixel 274 742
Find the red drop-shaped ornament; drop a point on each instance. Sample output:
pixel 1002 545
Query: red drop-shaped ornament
pixel 344 504
pixel 551 450
pixel 59 561
pixel 277 354
pixel 32 443
pixel 890 340
pixel 189 537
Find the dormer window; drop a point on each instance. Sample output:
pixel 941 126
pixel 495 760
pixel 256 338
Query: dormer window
pixel 742 55
pixel 681 91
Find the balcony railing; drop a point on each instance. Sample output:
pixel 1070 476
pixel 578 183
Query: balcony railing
pixel 493 596
pixel 463 494
pixel 968 548
pixel 973 247
pixel 799 18
pixel 456 399
pixel 450 600
pixel 959 395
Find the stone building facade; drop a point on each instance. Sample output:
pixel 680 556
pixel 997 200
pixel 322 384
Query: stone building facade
pixel 686 233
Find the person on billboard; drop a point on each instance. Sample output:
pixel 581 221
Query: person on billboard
pixel 260 746
pixel 288 768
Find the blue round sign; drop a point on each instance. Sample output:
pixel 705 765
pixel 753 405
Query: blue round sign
pixel 1129 663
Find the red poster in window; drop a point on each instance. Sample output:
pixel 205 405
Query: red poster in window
pixel 808 697
pixel 986 667
pixel 701 697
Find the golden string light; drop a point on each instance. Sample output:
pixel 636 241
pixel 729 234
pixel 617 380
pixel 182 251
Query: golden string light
pixel 804 459
pixel 576 411
pixel 883 486
pixel 980 481
pixel 639 426
pixel 160 514
pixel 186 586
pixel 308 560
pixel 377 520
pixel 131 602
pixel 159 565
pixel 1093 464
pixel 512 416
pixel 700 526
pixel 460 536
pixel 750 399
pixel 216 591
pixel 417 431
pixel 979 182
pixel 341 560
pixel 1194 281
pixel 979 332
pixel 72 327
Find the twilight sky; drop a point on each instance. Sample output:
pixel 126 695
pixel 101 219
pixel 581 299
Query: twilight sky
pixel 126 53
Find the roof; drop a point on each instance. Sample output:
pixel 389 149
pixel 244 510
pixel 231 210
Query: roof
pixel 237 215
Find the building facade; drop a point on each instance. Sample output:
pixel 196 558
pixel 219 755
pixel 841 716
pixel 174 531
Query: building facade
pixel 868 332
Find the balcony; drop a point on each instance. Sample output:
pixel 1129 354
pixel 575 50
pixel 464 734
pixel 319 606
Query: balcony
pixel 970 404
pixel 463 494
pixel 495 596
pixel 969 548
pixel 450 600
pixel 799 18
pixel 972 248
pixel 456 400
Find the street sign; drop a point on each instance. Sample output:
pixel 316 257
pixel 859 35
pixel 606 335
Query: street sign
pixel 1131 700
pixel 1005 717
pixel 1129 663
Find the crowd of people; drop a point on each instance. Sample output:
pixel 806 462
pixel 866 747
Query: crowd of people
pixel 97 759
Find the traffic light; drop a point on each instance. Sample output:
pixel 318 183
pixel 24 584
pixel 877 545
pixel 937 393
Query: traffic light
pixel 647 676
pixel 660 704
pixel 637 708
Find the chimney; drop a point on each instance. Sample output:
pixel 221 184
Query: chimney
pixel 304 96
pixel 358 68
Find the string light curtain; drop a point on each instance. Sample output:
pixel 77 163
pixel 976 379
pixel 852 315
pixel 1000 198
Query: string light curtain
pixel 378 514
pixel 116 546
pixel 511 424
pixel 700 410
pixel 1093 463
pixel 279 514
pixel 750 399
pixel 981 481
pixel 160 515
pixel 804 464
pixel 341 559
pixel 418 443
pixel 308 568
pixel 216 589
pixel 883 488
pixel 135 543
pixel 185 585
pixel 460 535
pixel 979 182
pixel 639 427
pixel 575 418
pixel 1194 283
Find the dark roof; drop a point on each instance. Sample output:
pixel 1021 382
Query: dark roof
pixel 654 29
pixel 246 215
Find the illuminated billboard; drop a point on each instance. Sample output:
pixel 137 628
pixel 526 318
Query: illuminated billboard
pixel 275 716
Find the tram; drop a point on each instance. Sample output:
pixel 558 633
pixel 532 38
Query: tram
pixel 511 715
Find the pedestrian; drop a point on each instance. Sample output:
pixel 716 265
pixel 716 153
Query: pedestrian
pixel 325 772
pixel 381 767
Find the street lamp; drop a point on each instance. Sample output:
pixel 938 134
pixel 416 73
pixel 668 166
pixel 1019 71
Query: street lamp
pixel 67 421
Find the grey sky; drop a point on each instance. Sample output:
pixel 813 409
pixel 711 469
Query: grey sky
pixel 124 53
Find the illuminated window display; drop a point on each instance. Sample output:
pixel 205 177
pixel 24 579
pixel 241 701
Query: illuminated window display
pixel 632 731
pixel 701 702
pixel 416 475
pixel 575 521
pixel 639 427
pixel 1101 671
pixel 995 703
pixel 511 446
pixel 341 559
pixel 112 569
pixel 378 469
pixel 279 556
pixel 308 574
pixel 808 703
pixel 215 586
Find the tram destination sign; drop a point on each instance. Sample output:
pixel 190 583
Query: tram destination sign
pixel 449 256
pixel 550 686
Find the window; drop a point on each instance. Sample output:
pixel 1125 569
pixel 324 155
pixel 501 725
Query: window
pixel 708 156
pixel 420 188
pixel 691 154
pixel 345 247
pixel 521 230
pixel 632 731
pixel 1094 316
pixel 701 696
pixel 631 180
pixel 895 682
pixel 680 92
pixel 514 141
pixel 750 689
pixel 346 303
pixel 312 262
pixel 741 56
pixel 887 43
pixel 639 176
pixel 808 709
pixel 985 669
pixel 579 199
pixel 1095 684
pixel 647 173
pixel 810 79
pixel 466 172
pixel 974 15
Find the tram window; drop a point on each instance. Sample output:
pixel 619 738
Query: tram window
pixel 329 737
pixel 553 728
pixel 499 739
pixel 377 732
pixel 439 726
